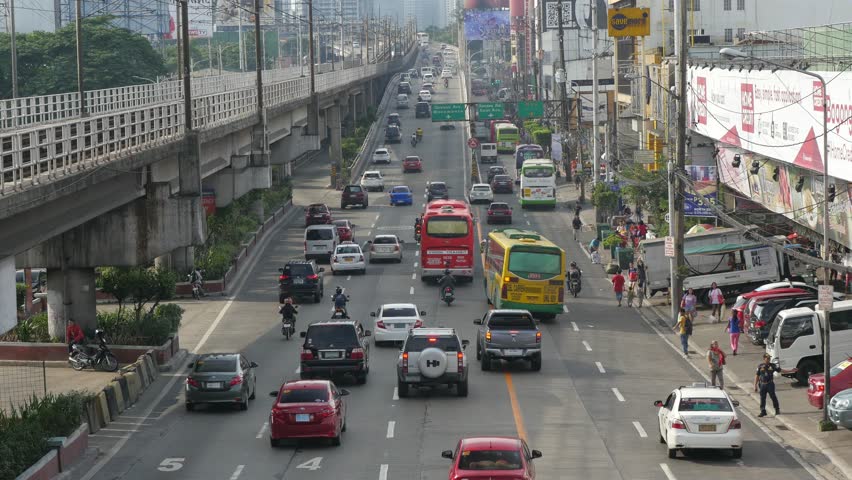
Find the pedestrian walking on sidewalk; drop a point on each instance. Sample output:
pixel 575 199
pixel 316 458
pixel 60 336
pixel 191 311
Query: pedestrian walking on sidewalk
pixel 717 299
pixel 632 281
pixel 764 382
pixel 576 224
pixel 688 303
pixel 716 360
pixel 734 329
pixel 640 270
pixel 618 286
pixel 577 209
pixel 684 328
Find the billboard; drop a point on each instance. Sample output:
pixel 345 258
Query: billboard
pixel 486 24
pixel 629 22
pixel 778 115
pixel 704 179
pixel 576 14
pixel 474 4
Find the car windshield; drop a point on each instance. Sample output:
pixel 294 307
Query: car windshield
pixel 216 365
pixel 319 234
pixel 700 404
pixel 437 187
pixel 412 159
pixel 348 249
pixel 401 190
pixel 837 369
pixel 511 322
pixel 447 227
pixel 303 395
pixel 298 270
pixel 482 189
pixel 490 460
pixel 418 344
pixel 390 312
pixel 342 223
pixel 330 336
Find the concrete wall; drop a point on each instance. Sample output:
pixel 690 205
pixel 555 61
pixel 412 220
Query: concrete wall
pixel 8 309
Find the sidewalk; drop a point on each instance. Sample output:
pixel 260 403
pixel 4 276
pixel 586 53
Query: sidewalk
pixel 796 428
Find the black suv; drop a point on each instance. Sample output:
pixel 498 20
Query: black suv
pixel 354 195
pixel 494 171
pixel 421 109
pixel 300 278
pixel 392 134
pixel 334 348
pixel 437 191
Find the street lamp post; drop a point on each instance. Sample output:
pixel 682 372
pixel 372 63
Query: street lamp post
pixel 734 53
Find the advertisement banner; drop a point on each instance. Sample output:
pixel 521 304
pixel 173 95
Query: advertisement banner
pixel 629 22
pixel 474 4
pixel 486 24
pixel 576 14
pixel 704 179
pixel 778 115
pixel 734 177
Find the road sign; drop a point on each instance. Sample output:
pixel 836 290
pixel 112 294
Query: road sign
pixel 668 217
pixel 644 156
pixel 825 297
pixel 489 111
pixel 448 112
pixel 530 109
pixel 472 142
pixel 670 247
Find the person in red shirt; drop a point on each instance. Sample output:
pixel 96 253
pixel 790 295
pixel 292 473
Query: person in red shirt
pixel 73 335
pixel 618 286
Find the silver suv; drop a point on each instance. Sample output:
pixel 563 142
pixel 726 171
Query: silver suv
pixel 430 357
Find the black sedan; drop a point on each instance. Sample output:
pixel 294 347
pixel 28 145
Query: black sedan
pixel 499 212
pixel 502 184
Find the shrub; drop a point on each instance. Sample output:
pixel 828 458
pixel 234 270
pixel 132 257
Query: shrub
pixel 34 329
pixel 123 328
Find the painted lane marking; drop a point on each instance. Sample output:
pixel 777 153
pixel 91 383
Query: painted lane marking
pixel 668 472
pixel 528 222
pixel 373 226
pixel 516 407
pixel 565 308
pixel 618 394
pixel 348 277
pixel 417 253
pixel 383 471
pixel 411 291
pixel 262 430
pixel 118 422
pixel 377 216
pixel 118 430
pixel 391 427
pixel 414 277
pixel 395 393
pixel 298 370
pixel 237 472
pixel 642 432
pixel 600 367
pixel 588 347
pixel 575 327
pixel 415 264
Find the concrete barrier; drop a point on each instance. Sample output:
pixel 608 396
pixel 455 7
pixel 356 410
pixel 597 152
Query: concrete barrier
pixel 103 410
pixel 44 469
pixel 141 370
pixel 119 396
pixel 112 403
pixel 73 447
pixel 152 364
pixel 92 417
pixel 125 390
pixel 134 386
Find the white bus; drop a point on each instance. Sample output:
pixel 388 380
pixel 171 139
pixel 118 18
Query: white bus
pixel 538 183
pixel 423 39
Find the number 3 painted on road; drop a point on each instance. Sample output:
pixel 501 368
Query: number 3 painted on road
pixel 312 464
pixel 171 464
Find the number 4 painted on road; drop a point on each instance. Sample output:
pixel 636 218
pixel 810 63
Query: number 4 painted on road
pixel 171 464
pixel 312 464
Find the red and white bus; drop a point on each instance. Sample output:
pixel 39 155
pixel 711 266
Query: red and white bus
pixel 447 236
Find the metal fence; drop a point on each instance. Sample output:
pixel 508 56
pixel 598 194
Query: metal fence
pixel 20 383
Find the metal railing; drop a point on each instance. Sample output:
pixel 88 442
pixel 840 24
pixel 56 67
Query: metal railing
pixel 141 117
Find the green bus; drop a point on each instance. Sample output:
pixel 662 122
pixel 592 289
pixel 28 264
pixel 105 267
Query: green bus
pixel 507 137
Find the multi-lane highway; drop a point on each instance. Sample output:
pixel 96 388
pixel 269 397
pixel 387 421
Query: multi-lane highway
pixel 589 410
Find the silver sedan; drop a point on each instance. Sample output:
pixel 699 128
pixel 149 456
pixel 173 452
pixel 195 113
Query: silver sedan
pixel 386 247
pixel 840 409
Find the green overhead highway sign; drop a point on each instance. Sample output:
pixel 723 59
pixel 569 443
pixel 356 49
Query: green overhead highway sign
pixel 448 112
pixel 530 109
pixel 489 111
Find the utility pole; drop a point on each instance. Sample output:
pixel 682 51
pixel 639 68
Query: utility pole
pixel 187 85
pixel 301 63
pixel 563 94
pixel 210 45
pixel 311 49
pixel 677 221
pixel 258 59
pixel 178 42
pixel 78 33
pixel 14 64
pixel 596 153
pixel 240 42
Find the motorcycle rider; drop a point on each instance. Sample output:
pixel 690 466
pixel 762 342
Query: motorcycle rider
pixel 574 273
pixel 419 132
pixel 196 279
pixel 447 281
pixel 73 335
pixel 288 311
pixel 340 300
pixel 413 139
pixel 446 82
pixel 418 225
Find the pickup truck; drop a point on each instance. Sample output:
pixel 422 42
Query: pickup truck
pixel 510 335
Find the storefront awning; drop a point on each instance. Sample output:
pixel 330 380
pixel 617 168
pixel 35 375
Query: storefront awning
pixel 721 249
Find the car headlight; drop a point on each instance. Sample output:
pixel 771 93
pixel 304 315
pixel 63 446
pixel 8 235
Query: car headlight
pixel 841 403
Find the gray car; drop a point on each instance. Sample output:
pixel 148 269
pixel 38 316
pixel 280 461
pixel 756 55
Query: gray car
pixel 225 378
pixel 386 247
pixel 431 357
pixel 507 334
pixel 840 409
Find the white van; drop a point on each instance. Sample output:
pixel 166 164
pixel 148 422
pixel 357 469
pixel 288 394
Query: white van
pixel 488 153
pixel 428 78
pixel 401 101
pixel 320 241
pixel 425 71
pixel 795 339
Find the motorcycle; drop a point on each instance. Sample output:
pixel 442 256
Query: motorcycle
pixel 288 326
pixel 101 359
pixel 197 290
pixel 419 136
pixel 339 313
pixel 414 141
pixel 446 83
pixel 449 295
pixel 417 235
pixel 574 286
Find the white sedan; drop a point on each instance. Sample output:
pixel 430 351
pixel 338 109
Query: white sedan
pixel 481 192
pixel 382 155
pixel 446 73
pixel 424 96
pixel 394 320
pixel 373 180
pixel 348 257
pixel 700 417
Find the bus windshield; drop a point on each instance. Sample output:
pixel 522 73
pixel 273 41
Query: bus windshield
pixel 538 172
pixel 525 260
pixel 447 227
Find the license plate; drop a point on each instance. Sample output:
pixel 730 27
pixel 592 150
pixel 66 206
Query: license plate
pixel 707 428
pixel 330 354
pixel 513 353
pixel 214 384
pixel 298 281
pixel 303 417
pixel 319 247
pixel 347 259
pixel 400 325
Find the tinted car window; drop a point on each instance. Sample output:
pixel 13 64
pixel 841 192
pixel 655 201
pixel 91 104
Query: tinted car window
pixel 372 175
pixel 317 210
pixel 399 312
pixel 490 460
pixel 418 344
pixel 438 187
pixel 216 365
pixel 502 178
pixel 320 234
pixel 348 250
pixel 303 395
pixel 704 405
pixel 499 206
pixel 330 336
pixel 384 241
pixel 298 270
pixel 511 322
pixel 354 189
pixel 400 190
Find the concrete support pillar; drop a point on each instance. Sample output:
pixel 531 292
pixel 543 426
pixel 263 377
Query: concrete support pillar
pixel 313 116
pixel 81 304
pixel 335 150
pixel 8 301
pixel 354 110
pixel 361 101
pixel 183 259
pixel 189 181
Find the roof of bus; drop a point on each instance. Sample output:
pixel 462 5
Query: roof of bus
pixel 528 146
pixel 502 126
pixel 537 162
pixel 506 236
pixel 446 207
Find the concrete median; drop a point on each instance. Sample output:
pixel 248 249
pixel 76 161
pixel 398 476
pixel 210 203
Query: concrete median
pixel 125 391
pixel 119 395
pixel 103 410
pixel 142 371
pixel 112 402
pixel 134 386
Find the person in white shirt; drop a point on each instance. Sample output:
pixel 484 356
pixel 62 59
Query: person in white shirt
pixel 717 299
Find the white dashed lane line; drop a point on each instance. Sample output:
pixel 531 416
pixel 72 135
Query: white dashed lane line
pixel 348 277
pixel 641 430
pixel 395 394
pixel 237 472
pixel 565 308
pixel 618 394
pixel 383 471
pixel 588 347
pixel 575 327
pixel 415 264
pixel 668 471
pixel 411 291
pixel 262 430
pixel 417 254
pixel 391 428
pixel 414 276
pixel 600 367
pixel 528 222
pixel 373 226
pixel 377 216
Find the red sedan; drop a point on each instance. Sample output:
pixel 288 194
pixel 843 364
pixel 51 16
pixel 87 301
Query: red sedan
pixel 841 379
pixel 492 457
pixel 307 409
pixel 412 163
pixel 345 230
pixel 317 214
